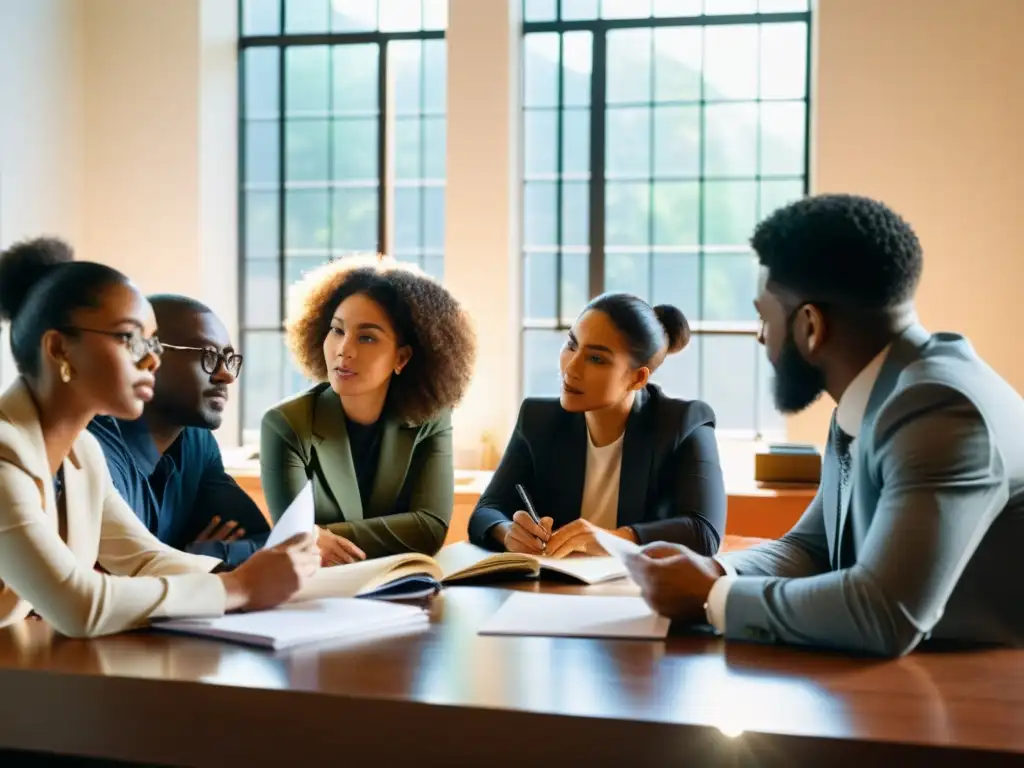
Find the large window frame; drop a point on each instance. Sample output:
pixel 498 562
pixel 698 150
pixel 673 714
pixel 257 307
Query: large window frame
pixel 386 182
pixel 597 181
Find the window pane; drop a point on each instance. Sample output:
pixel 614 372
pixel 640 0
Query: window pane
pixel 575 284
pixel 408 219
pixel 728 379
pixel 576 141
pixel 306 16
pixel 262 292
pixel 408 158
pixel 261 82
pixel 575 213
pixel 770 422
pixel 579 9
pixel 730 212
pixel 539 206
pixel 294 270
pixel 540 128
pixel 677 7
pixel 354 15
pixel 404 70
pixel 354 224
pixel 540 10
pixel 306 150
pixel 678 375
pixel 730 140
pixel 261 17
pixel 261 377
pixel 625 9
pixel 629 80
pixel 730 62
pixel 355 78
pixel 723 7
pixel 677 64
pixel 261 155
pixel 307 80
pixel 676 213
pixel 435 75
pixel 539 286
pixel 627 272
pixel 782 6
pixel 783 126
pixel 676 281
pixel 433 217
pixel 307 214
pixel 435 139
pixel 435 14
pixel 400 16
pixel 676 141
pixel 627 213
pixel 541 375
pixel 628 149
pixel 577 64
pixel 540 70
pixel 261 225
pixel 784 61
pixel 730 285
pixel 355 150
pixel 777 193
pixel 434 266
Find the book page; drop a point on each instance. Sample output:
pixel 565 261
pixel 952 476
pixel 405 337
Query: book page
pixel 354 579
pixel 589 569
pixel 464 560
pixel 529 613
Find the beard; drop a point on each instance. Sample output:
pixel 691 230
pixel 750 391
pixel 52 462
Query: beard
pixel 797 383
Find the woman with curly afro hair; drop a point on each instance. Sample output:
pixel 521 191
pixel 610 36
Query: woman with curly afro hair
pixel 392 352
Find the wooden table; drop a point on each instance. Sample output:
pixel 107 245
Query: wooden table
pixel 447 696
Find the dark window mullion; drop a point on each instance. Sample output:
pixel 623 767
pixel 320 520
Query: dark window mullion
pixel 421 196
pixel 330 149
pixel 559 171
pixel 597 158
pixel 701 123
pixel 650 179
pixel 382 147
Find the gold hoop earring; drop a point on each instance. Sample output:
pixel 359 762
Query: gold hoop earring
pixel 65 371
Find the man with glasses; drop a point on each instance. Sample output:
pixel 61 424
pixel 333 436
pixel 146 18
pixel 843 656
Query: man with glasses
pixel 167 465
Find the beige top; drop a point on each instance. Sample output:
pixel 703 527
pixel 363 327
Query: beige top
pixel 601 485
pixel 39 570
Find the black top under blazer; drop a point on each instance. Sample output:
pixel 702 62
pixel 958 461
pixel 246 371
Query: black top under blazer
pixel 670 486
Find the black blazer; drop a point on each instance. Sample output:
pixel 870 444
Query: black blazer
pixel 670 485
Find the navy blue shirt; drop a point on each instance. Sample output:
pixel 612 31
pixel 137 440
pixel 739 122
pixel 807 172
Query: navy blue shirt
pixel 177 494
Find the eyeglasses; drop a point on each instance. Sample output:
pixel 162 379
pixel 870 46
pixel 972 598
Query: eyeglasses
pixel 211 358
pixel 138 345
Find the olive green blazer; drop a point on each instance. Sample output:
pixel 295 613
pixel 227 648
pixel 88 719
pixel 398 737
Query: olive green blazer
pixel 410 506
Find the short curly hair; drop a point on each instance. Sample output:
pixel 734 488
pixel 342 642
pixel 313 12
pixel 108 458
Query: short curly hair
pixel 425 315
pixel 841 248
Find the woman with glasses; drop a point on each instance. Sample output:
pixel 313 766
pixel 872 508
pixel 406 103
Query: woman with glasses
pixel 83 339
pixel 393 352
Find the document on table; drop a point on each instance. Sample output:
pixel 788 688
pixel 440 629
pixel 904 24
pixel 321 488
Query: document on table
pixel 300 517
pixel 550 615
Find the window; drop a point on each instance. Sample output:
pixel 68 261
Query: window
pixel 656 133
pixel 342 149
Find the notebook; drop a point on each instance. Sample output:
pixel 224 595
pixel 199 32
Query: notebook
pixel 299 623
pixel 413 575
pixel 530 613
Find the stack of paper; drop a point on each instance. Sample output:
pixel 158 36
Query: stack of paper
pixel 529 613
pixel 341 618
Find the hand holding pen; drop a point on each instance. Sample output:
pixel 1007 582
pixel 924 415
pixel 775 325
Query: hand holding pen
pixel 528 532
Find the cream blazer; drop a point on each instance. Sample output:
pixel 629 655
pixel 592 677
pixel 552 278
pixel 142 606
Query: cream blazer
pixel 40 571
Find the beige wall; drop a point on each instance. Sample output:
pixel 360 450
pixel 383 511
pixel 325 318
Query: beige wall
pixel 920 103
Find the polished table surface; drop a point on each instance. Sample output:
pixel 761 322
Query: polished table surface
pixel 448 696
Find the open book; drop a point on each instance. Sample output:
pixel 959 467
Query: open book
pixel 413 575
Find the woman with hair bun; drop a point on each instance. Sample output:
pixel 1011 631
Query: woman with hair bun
pixel 392 352
pixel 613 451
pixel 84 342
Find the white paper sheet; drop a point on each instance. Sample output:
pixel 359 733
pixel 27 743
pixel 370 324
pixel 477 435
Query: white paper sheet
pixel 300 517
pixel 549 615
pixel 614 545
